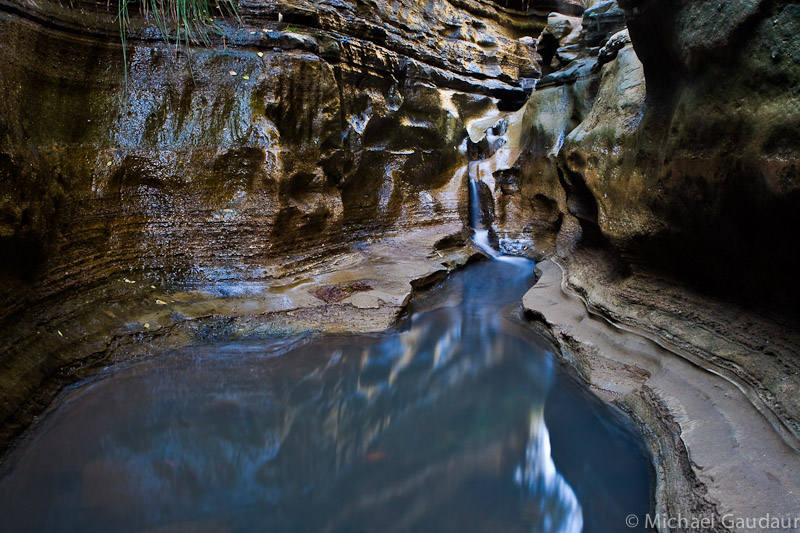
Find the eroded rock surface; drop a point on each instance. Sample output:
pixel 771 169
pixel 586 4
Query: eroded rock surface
pixel 679 190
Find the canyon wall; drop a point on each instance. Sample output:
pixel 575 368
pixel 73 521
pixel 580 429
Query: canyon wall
pixel 694 171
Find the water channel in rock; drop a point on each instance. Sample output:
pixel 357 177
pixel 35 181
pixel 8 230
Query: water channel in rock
pixel 458 419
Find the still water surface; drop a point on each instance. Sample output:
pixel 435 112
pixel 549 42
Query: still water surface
pixel 458 420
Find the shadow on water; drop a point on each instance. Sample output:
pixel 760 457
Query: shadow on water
pixel 456 420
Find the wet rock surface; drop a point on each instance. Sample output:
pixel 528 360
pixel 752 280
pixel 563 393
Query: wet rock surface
pixel 727 435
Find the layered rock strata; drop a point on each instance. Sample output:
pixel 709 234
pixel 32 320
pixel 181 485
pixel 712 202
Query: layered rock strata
pixel 615 181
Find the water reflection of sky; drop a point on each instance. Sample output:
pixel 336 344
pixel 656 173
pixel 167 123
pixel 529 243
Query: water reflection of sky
pixel 436 426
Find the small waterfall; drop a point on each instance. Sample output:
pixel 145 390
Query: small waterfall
pixel 500 159
pixel 481 233
pixel 474 200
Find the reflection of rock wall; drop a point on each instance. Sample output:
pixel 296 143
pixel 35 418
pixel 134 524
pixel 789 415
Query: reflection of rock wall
pixel 550 496
pixel 326 433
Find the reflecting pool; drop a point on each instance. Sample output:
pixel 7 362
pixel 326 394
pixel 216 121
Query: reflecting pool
pixel 457 420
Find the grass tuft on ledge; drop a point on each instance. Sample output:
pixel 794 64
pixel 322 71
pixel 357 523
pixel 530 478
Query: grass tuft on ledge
pixel 185 22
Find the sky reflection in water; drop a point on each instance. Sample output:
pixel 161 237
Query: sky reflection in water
pixel 440 425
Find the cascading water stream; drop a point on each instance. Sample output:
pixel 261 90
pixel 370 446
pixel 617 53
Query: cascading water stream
pixel 503 157
pixel 480 234
pixel 555 501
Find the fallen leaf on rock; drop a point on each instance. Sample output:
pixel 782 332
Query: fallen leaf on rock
pixel 374 457
pixel 59 333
